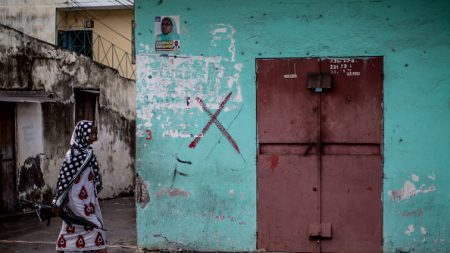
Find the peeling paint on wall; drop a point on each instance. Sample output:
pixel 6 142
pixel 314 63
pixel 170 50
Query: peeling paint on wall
pixel 410 190
pixel 423 230
pixel 172 192
pixel 175 81
pixel 225 32
pixel 32 18
pixel 409 230
pixel 141 191
pixel 192 100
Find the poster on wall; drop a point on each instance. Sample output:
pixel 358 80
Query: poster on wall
pixel 167 33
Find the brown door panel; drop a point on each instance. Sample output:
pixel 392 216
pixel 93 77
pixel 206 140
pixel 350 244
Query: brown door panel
pixel 281 94
pixel 352 109
pixel 287 202
pixel 351 202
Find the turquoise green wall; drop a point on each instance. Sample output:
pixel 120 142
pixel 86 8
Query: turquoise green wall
pixel 213 207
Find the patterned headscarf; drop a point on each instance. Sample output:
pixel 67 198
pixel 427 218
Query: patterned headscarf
pixel 77 158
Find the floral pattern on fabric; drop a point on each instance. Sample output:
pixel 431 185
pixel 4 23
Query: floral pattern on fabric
pixel 70 229
pixel 83 194
pixel 80 242
pixel 61 242
pixel 99 240
pixel 87 208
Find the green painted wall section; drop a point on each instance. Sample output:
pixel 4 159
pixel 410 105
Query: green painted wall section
pixel 210 204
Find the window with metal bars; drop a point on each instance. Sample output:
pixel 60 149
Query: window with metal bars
pixel 79 41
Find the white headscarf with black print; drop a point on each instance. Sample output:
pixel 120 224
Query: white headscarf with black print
pixel 77 158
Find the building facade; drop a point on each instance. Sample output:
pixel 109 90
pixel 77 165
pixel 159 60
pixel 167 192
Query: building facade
pixel 100 30
pixel 103 34
pixel 44 91
pixel 307 126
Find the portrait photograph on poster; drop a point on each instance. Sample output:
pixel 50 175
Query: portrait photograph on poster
pixel 167 33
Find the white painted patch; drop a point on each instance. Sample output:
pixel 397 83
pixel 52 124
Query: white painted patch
pixel 415 178
pixel 230 82
pixel 432 176
pixel 140 133
pixel 232 48
pixel 146 47
pixel 232 192
pixel 225 32
pixel 409 190
pixel 239 97
pixel 290 76
pixel 30 133
pixel 410 230
pixel 176 134
pixel 219 30
pixel 423 231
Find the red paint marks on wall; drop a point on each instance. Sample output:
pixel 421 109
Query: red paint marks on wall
pixel 370 188
pixel 273 161
pixel 213 119
pixel 173 192
pixel 149 134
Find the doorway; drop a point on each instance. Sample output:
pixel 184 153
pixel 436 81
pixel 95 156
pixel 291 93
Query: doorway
pixel 8 177
pixel 86 102
pixel 319 159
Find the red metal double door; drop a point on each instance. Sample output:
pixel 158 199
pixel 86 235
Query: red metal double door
pixel 319 164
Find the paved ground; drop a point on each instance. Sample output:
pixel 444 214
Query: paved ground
pixel 20 234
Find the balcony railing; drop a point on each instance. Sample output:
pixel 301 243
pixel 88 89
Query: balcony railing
pixel 99 49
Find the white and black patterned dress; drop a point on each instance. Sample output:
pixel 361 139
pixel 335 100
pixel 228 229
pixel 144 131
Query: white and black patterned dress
pixel 77 189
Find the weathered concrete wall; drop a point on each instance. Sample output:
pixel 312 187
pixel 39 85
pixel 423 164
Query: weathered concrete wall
pixel 30 149
pixel 29 64
pixel 213 205
pixel 35 18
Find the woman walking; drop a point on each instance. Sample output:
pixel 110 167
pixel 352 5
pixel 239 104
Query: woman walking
pixel 78 185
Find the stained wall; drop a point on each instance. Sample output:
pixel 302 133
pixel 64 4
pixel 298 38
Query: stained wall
pixel 44 126
pixel 35 18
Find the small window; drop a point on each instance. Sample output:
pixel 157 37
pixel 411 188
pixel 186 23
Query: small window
pixel 79 41
pixel 85 104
